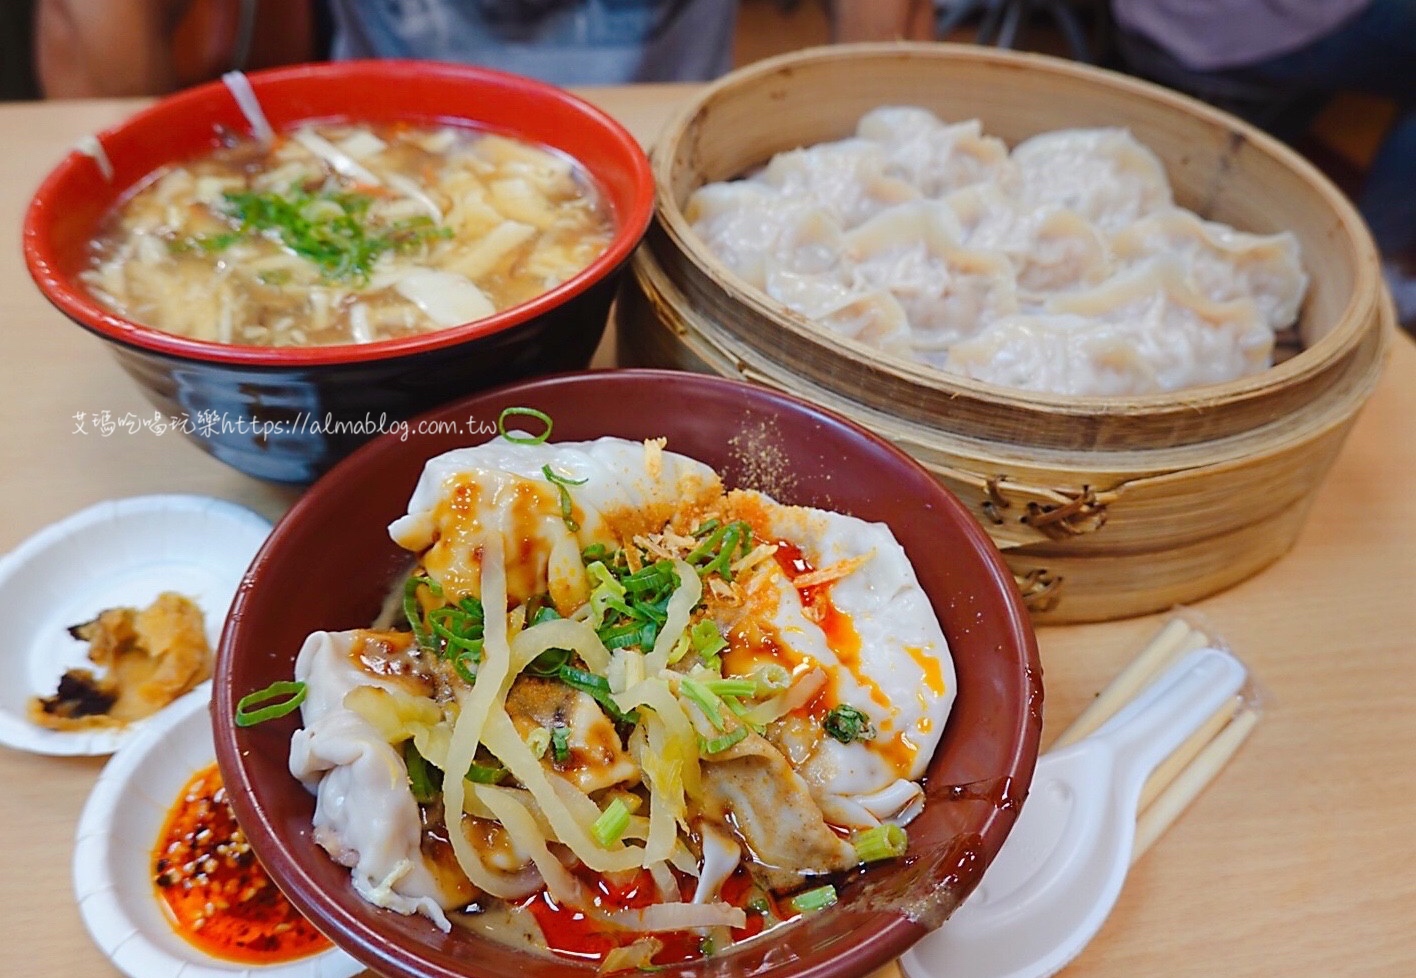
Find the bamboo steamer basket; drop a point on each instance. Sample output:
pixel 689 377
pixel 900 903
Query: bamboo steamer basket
pixel 1103 507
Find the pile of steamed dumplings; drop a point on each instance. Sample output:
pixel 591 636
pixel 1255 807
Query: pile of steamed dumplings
pixel 1063 266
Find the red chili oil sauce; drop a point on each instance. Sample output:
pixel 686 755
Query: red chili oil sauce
pixel 573 933
pixel 218 897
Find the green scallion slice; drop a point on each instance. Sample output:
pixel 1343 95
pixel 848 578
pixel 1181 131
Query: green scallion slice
pixel 719 744
pixel 538 741
pixel 463 663
pixel 249 711
pixel 732 686
pixel 485 773
pixel 817 899
pixel 560 744
pixel 609 827
pixel 424 779
pixel 705 700
pixel 563 483
pixel 884 841
pixel 707 640
pixel 521 437
pixel 549 663
pixel 413 610
pixel 598 688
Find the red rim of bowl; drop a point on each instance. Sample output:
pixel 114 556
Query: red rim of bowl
pixel 615 142
pixel 355 929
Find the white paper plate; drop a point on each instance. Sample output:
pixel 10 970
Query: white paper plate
pixel 119 552
pixel 117 832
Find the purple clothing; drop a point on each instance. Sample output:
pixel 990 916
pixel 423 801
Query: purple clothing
pixel 1209 35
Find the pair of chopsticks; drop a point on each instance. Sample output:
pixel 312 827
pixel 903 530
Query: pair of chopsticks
pixel 1180 778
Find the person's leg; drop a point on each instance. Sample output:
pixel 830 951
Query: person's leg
pixel 1388 199
pixel 1373 52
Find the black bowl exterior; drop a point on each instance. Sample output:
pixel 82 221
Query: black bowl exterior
pixel 330 563
pixel 292 424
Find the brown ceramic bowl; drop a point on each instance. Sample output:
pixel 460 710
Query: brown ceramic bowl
pixel 329 563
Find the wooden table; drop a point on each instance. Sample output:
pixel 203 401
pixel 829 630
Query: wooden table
pixel 1300 860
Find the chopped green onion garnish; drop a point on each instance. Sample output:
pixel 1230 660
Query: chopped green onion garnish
pixel 413 611
pixel 884 841
pixel 706 527
pixel 521 438
pixel 562 483
pixel 332 229
pixel 292 689
pixel 817 899
pixel 771 678
pixel 560 744
pixel 731 687
pixel 457 629
pixel 680 648
pixel 485 773
pixel 538 740
pixel 719 744
pixel 424 779
pixel 463 663
pixel 605 591
pixel 610 826
pixel 740 711
pixel 549 662
pixel 598 687
pixel 724 545
pixel 545 613
pixel 847 724
pixel 705 701
pixel 710 545
pixel 707 640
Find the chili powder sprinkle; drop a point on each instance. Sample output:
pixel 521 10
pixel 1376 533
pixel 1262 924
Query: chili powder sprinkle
pixel 218 897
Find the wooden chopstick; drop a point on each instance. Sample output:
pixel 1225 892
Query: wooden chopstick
pixel 1191 781
pixel 1180 778
pixel 1180 758
pixel 1171 642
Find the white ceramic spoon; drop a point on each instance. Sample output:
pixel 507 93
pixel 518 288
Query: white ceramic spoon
pixel 1060 871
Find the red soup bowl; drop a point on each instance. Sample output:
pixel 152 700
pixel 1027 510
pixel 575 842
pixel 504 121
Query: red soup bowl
pixel 329 564
pixel 288 413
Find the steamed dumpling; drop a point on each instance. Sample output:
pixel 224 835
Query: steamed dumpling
pixel 365 816
pixel 620 489
pixel 1221 263
pixel 1063 266
pixel 948 292
pixel 850 179
pixel 935 157
pixel 743 222
pixel 1052 249
pixel 1105 175
pixel 886 657
pixel 1141 333
pixel 849 685
pixel 873 316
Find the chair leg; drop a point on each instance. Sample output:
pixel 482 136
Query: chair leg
pixel 950 14
pixel 1072 31
pixel 1014 13
pixel 992 21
